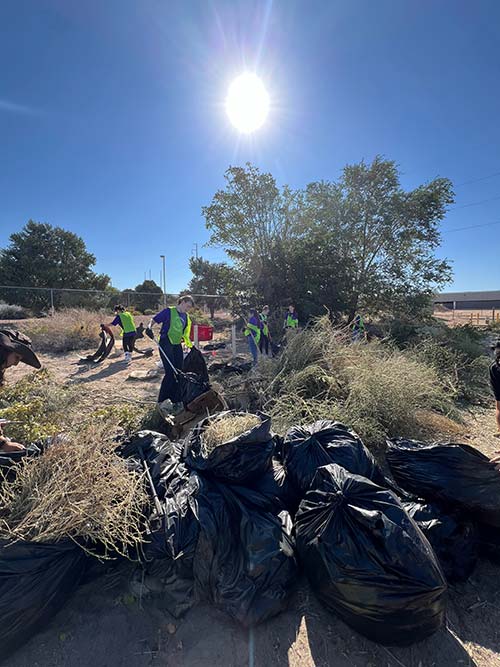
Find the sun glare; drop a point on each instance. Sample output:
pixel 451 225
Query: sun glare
pixel 247 103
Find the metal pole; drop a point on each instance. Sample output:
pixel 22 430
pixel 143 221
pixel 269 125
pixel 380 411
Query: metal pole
pixel 52 309
pixel 196 338
pixel 233 339
pixel 164 282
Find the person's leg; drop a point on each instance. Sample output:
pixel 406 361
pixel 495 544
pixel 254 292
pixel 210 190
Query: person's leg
pixel 261 343
pixel 266 345
pixel 253 348
pixel 168 385
pixel 498 417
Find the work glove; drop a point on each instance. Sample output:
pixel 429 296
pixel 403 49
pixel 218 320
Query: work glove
pixel 149 333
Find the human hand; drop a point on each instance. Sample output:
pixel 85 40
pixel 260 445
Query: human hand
pixel 9 446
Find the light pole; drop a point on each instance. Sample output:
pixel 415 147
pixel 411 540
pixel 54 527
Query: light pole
pixel 164 282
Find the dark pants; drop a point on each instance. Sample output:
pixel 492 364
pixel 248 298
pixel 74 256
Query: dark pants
pixel 128 342
pixel 264 344
pixel 169 385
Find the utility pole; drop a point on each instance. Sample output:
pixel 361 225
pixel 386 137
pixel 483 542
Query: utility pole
pixel 164 282
pixel 195 250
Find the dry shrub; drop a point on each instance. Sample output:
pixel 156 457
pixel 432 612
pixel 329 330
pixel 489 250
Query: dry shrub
pixel 373 387
pixel 66 330
pixel 79 489
pixel 226 427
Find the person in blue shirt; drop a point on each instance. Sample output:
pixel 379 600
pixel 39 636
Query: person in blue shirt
pixel 253 331
pixel 125 321
pixel 175 330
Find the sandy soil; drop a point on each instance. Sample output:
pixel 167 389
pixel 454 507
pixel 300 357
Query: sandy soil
pixel 103 625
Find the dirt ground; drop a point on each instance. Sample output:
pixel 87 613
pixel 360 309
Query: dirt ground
pixel 104 625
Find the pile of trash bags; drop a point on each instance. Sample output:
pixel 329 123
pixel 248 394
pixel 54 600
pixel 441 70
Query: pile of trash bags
pixel 237 525
pixel 223 533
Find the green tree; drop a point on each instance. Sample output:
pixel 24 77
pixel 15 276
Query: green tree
pixel 385 236
pixel 213 278
pixel 152 297
pixel 41 255
pixel 255 222
pixel 361 243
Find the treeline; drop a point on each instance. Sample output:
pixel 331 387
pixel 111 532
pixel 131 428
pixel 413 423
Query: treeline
pixel 358 244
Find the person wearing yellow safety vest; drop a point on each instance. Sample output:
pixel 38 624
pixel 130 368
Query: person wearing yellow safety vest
pixel 291 319
pixel 175 330
pixel 125 320
pixel 252 331
pixel 265 335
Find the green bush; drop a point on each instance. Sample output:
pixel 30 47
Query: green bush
pixel 37 406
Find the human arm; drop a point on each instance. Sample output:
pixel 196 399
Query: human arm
pixel 8 445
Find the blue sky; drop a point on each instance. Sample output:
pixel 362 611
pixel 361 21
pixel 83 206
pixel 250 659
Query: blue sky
pixel 112 122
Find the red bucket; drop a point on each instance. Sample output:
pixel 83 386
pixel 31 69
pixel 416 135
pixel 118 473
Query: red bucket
pixel 205 332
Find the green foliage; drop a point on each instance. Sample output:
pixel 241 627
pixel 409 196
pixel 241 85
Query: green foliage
pixel 37 406
pixel 457 354
pixel 124 416
pixel 41 255
pixel 361 243
pixel 216 278
pixel 150 300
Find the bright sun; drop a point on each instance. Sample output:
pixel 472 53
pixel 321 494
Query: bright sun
pixel 247 103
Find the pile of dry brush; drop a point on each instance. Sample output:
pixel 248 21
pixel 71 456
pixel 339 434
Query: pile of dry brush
pixel 78 489
pixel 374 387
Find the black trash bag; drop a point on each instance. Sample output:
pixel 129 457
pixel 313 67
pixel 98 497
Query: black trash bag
pixel 245 562
pixel 35 582
pixel 168 552
pixel 457 476
pixel 238 461
pixel 275 485
pixel 194 362
pixel 163 458
pixel 306 448
pixel 189 387
pixel 489 542
pixel 367 561
pixel 9 460
pixel 453 538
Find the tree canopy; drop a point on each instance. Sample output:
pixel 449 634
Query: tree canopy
pixel 213 278
pixel 361 243
pixel 41 255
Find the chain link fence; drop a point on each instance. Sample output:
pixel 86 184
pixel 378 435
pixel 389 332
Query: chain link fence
pixel 46 300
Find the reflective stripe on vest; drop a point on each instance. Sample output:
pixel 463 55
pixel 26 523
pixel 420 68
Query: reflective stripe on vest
pixel 128 324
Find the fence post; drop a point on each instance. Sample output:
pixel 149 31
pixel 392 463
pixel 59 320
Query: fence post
pixel 196 339
pixel 52 309
pixel 233 339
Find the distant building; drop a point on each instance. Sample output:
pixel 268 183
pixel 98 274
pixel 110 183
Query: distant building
pixel 469 300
